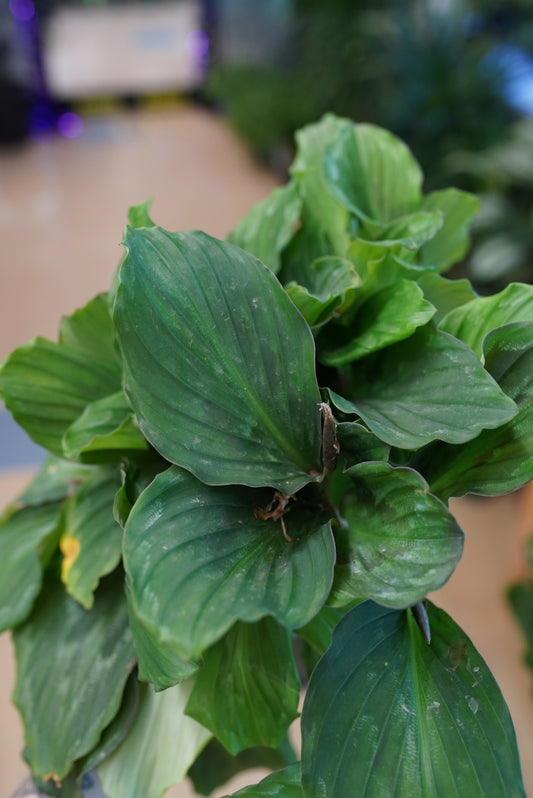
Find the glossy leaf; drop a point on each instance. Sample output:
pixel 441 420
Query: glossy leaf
pixel 219 364
pixel 395 716
pixel 35 375
pixel 105 429
pixel 373 174
pixel 207 561
pixel 90 330
pixel 450 243
pixel 28 538
pixel 400 543
pixel 67 700
pixel 157 663
pixel 444 295
pixel 248 690
pixel 472 321
pixel 268 227
pixel 386 317
pixel 429 386
pixel 413 230
pixel 91 542
pixel 326 281
pixel 283 784
pixel 320 205
pixel 500 460
pixel 358 445
pixel 159 748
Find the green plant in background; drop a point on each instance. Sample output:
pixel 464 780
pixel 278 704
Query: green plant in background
pixel 252 448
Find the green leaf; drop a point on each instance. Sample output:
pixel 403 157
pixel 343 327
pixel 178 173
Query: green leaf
pixel 500 460
pixel 283 784
pixel 429 386
pixel 373 174
pixel 90 330
pixel 56 479
pixel 412 231
pixel 219 364
pixel 386 317
pixel 46 386
pixel 139 215
pixel 472 321
pixel 157 663
pixel 318 632
pixel 396 716
pixel 247 693
pixel 326 282
pixel 520 596
pixel 215 766
pixel 105 429
pixel 400 543
pixel 358 445
pixel 67 700
pixel 451 242
pixel 268 227
pixel 320 206
pixel 207 561
pixel 444 295
pixel 28 538
pixel 91 542
pixel 159 748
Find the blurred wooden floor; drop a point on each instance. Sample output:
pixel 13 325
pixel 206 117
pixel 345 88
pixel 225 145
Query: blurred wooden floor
pixel 62 209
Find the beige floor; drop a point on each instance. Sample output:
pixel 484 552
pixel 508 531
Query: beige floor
pixel 62 209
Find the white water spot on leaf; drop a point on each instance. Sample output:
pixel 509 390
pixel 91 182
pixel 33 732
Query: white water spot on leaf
pixel 473 704
pixel 406 709
pixel 434 706
pixel 255 303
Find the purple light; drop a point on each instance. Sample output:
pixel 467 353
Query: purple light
pixel 70 125
pixel 197 43
pixel 22 10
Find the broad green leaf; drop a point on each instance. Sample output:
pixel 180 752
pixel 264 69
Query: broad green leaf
pixel 28 538
pixel 444 294
pixel 136 476
pixel 386 317
pixel 157 663
pixel 472 321
pixel 320 205
pixel 159 749
pixel 46 386
pixel 373 174
pixel 67 700
pixel 500 460
pixel 307 245
pixel 269 225
pixel 90 330
pixel 319 630
pixel 326 282
pixel 207 561
pixel 283 784
pixel 412 231
pixel 248 690
pixel 219 364
pixel 400 543
pixel 56 479
pixel 358 445
pixel 451 242
pixel 105 429
pixel 91 541
pixel 430 386
pixel 139 215
pixel 215 766
pixel 520 596
pixel 395 716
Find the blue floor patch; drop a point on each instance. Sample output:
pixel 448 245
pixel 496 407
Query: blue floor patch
pixel 16 448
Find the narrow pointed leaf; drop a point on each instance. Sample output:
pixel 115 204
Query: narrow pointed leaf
pixel 159 748
pixel 91 542
pixel 373 174
pixel 219 364
pixel 105 429
pixel 283 784
pixel 395 716
pixel 207 561
pixel 472 321
pixel 28 538
pixel 401 542
pixel 450 243
pixel 269 226
pixel 430 386
pixel 248 690
pixel 65 700
pixel 500 460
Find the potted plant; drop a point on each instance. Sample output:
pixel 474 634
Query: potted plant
pixel 252 448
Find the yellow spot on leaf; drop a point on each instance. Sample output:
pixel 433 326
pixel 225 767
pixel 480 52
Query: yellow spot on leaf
pixel 70 548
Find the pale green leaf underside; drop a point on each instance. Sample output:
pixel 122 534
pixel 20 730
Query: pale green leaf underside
pixel 219 364
pixel 424 720
pixel 450 243
pixel 207 561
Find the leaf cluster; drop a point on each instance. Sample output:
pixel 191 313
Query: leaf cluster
pixel 252 448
